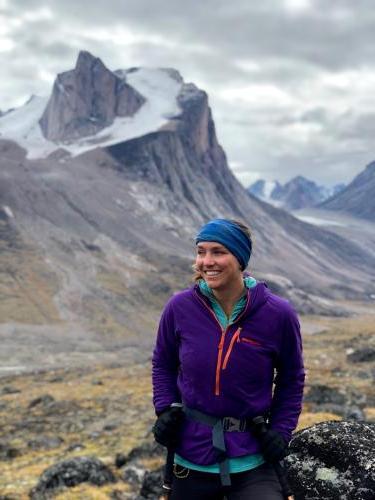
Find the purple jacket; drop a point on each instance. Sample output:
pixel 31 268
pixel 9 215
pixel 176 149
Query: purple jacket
pixel 229 372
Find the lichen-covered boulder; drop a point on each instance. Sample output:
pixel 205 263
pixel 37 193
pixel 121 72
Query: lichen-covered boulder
pixel 72 472
pixel 333 461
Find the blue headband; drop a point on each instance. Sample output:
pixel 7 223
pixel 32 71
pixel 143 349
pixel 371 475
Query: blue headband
pixel 230 235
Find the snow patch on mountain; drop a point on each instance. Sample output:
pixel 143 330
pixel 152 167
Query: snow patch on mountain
pixel 317 221
pixel 157 86
pixel 8 212
pixel 268 188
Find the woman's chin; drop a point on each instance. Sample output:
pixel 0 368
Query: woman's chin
pixel 213 283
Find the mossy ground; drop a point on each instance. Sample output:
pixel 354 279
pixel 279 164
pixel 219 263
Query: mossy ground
pixel 105 410
pixel 27 285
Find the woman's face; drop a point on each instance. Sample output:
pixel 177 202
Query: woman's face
pixel 218 267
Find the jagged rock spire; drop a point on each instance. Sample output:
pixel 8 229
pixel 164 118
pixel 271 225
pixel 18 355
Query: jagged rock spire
pixel 87 99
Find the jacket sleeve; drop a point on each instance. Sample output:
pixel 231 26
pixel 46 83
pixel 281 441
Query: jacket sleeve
pixel 289 381
pixel 165 362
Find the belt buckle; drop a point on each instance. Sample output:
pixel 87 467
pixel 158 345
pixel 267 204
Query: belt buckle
pixel 231 424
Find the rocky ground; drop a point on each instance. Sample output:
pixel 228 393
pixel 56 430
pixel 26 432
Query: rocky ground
pixel 104 411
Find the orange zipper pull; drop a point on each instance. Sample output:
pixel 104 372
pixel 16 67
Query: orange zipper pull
pixel 235 338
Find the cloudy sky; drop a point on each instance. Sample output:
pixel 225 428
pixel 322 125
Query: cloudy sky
pixel 291 82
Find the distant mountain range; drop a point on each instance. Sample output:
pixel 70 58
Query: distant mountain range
pixel 358 198
pixel 102 188
pixel 298 193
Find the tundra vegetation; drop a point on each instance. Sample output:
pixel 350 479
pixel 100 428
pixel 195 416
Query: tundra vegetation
pixel 105 410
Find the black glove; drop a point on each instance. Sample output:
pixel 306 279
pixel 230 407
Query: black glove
pixel 167 426
pixel 273 446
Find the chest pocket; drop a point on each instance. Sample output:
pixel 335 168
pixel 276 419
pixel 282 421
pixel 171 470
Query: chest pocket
pixel 249 340
pixel 246 348
pixel 238 338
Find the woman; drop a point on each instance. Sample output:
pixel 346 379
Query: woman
pixel 218 347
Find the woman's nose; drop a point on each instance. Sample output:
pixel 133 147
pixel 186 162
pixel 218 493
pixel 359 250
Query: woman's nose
pixel 208 259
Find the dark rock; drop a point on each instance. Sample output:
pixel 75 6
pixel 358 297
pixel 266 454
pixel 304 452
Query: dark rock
pixel 8 389
pixel 57 379
pixel 356 398
pixel 354 413
pixel 146 450
pixel 147 484
pixel 91 246
pixel 133 475
pixel 45 400
pixel 111 426
pixel 333 460
pixel 371 399
pixel 363 375
pixel 97 382
pixel 120 460
pixel 151 486
pixel 72 472
pixel 8 452
pixel 45 442
pixel 321 394
pixel 362 355
pixel 350 407
pixel 338 372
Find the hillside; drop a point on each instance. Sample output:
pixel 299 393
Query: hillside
pixel 358 198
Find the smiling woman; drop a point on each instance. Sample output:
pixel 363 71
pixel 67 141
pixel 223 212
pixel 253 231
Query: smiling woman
pixel 218 347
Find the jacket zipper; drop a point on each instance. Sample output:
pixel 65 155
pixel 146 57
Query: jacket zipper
pixel 220 347
pixel 221 343
pixel 218 364
pixel 234 338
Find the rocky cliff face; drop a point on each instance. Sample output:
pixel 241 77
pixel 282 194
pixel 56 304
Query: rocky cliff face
pixel 358 197
pixel 86 100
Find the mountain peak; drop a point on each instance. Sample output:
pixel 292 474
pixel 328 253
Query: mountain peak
pixel 86 62
pixel 300 180
pixel 87 99
pixel 358 197
pixel 85 57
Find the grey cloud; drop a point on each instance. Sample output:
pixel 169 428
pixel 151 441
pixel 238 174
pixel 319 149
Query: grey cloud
pixel 359 128
pixel 237 29
pixel 314 115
